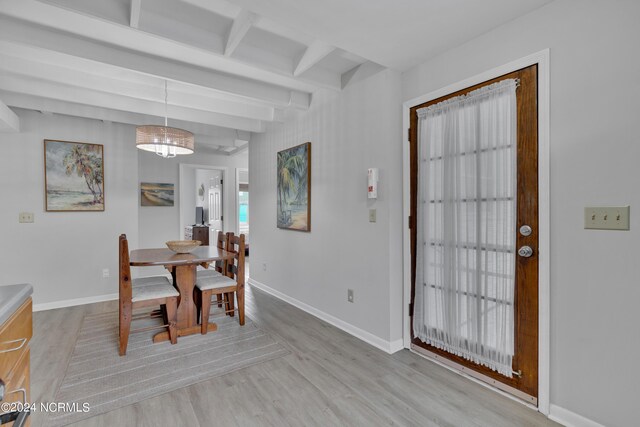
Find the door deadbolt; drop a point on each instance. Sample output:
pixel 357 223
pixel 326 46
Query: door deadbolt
pixel 525 230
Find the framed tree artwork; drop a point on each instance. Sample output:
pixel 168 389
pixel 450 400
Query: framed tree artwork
pixel 73 176
pixel 294 188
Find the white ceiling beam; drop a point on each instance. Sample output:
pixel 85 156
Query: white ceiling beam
pixel 134 19
pixel 242 137
pixel 47 106
pixel 230 10
pixel 220 7
pixel 151 91
pixel 212 143
pixel 239 149
pixel 301 103
pixel 9 121
pixel 240 27
pixel 329 78
pixel 56 47
pixel 200 148
pixel 62 92
pixel 314 54
pixel 268 60
pixel 360 72
pixel 273 27
pixel 129 38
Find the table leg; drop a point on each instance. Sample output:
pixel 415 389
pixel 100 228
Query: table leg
pixel 185 276
pixel 164 335
pixel 187 323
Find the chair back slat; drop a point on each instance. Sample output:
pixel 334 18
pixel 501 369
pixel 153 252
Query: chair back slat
pixel 221 243
pixel 221 240
pixel 124 269
pixel 235 268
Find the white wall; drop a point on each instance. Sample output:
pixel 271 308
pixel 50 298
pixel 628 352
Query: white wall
pixel 159 224
pixel 62 254
pixel 594 149
pixel 349 132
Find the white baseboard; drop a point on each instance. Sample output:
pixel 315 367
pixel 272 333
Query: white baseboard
pixel 396 345
pixel 86 300
pixel 570 419
pixel 386 346
pixel 74 302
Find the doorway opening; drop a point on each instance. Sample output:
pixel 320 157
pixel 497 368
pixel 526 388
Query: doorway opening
pixel 242 191
pixel 203 198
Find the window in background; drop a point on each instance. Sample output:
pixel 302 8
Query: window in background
pixel 243 210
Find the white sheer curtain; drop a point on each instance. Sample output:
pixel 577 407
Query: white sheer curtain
pixel 465 266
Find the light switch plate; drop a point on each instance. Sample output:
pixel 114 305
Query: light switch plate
pixel 372 215
pixel 606 217
pixel 25 217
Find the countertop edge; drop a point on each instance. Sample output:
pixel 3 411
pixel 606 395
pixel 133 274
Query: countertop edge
pixel 11 298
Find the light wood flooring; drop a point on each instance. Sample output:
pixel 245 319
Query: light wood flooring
pixel 329 379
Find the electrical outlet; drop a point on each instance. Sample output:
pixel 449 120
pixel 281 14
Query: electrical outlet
pixel 105 273
pixel 25 217
pixel 350 295
pixel 264 266
pixel 372 215
pixel 607 218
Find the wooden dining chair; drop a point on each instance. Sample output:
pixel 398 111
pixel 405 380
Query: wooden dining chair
pixel 144 292
pixel 219 267
pixel 225 284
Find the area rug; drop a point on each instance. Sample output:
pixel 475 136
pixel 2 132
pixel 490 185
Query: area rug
pixel 100 380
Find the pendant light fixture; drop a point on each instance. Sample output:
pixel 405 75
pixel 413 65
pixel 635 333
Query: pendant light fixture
pixel 165 141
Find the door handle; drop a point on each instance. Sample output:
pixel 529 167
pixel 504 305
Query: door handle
pixel 525 251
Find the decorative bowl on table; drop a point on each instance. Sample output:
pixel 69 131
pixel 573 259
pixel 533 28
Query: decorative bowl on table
pixel 183 246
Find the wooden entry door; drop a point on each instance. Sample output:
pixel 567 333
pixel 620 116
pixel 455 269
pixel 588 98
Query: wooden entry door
pixel 525 362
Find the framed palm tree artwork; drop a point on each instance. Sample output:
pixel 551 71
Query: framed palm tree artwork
pixel 73 176
pixel 294 188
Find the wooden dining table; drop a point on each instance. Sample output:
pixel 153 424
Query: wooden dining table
pixel 183 269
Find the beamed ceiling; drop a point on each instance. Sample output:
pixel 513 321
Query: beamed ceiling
pixel 231 66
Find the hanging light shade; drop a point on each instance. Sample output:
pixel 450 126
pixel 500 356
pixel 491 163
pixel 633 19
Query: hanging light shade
pixel 165 141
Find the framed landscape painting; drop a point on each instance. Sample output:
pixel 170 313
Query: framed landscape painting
pixel 294 188
pixel 73 176
pixel 156 194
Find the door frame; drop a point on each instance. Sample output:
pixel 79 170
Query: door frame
pixel 238 170
pixel 183 168
pixel 540 58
